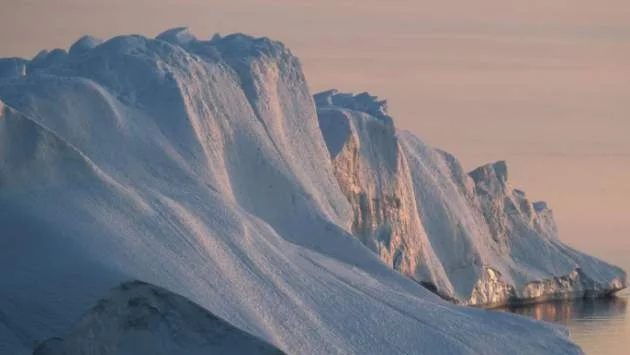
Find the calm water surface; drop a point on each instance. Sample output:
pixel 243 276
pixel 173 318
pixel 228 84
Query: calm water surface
pixel 598 326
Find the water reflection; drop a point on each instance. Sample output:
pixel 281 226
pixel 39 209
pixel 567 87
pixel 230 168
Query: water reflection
pixel 599 326
pixel 565 312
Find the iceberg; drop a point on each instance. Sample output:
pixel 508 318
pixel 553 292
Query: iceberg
pixel 200 168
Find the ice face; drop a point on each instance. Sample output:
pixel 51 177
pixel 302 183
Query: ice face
pixel 473 237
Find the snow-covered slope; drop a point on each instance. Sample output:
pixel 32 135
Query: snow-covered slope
pixel 474 239
pixel 200 167
pixel 139 318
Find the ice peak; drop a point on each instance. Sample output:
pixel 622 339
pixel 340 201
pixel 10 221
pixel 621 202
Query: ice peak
pixel 40 55
pixel 84 44
pixel 242 45
pixel 496 171
pixel 540 206
pixel 181 36
pixel 519 193
pixel 46 59
pixel 363 102
pixel 324 98
pixel 239 37
pixel 233 48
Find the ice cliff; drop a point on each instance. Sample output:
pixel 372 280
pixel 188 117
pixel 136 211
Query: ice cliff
pixel 199 166
pixel 471 238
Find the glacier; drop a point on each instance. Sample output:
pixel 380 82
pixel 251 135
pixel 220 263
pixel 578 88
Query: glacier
pixel 204 167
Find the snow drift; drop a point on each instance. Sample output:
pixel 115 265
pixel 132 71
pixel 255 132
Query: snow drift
pixel 471 238
pixel 199 166
pixel 139 318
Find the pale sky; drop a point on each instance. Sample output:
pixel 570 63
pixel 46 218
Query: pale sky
pixel 543 84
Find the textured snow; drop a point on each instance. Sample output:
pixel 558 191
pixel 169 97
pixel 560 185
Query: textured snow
pixel 200 167
pixel 471 237
pixel 139 318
